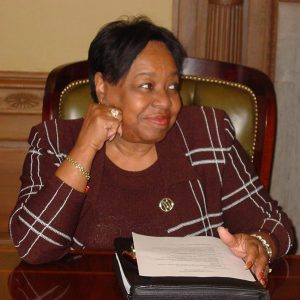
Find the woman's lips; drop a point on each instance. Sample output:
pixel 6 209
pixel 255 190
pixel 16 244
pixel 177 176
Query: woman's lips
pixel 160 120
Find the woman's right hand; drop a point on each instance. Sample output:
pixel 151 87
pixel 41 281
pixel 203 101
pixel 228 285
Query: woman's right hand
pixel 101 123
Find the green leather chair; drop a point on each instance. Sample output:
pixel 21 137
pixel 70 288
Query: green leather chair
pixel 246 94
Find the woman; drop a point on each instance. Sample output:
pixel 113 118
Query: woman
pixel 137 163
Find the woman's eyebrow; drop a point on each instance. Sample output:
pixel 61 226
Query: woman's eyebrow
pixel 175 73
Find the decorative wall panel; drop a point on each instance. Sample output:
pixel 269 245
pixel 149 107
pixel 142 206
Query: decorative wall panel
pixel 238 31
pixel 21 95
pixel 224 30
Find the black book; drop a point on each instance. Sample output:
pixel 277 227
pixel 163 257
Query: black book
pixel 138 287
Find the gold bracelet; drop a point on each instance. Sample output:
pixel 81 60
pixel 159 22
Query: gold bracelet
pixel 265 244
pixel 79 167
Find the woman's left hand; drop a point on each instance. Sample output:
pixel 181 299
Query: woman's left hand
pixel 251 250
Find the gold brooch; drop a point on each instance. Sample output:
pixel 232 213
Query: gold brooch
pixel 166 204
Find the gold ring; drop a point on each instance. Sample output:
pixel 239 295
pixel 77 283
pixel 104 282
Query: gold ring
pixel 114 112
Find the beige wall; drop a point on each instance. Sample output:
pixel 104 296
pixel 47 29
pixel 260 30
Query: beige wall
pixel 286 170
pixel 38 35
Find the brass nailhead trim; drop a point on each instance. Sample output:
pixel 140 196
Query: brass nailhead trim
pixel 236 85
pixel 67 90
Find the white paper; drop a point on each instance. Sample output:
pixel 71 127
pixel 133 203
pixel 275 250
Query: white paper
pixel 199 256
pixel 124 279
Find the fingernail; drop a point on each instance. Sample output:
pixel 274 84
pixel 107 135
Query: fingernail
pixel 266 281
pixel 261 275
pixel 111 138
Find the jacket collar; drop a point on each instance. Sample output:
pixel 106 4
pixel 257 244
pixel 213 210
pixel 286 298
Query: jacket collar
pixel 175 166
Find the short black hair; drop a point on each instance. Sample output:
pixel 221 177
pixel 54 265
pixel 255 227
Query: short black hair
pixel 118 43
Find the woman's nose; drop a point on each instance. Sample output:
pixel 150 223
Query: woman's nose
pixel 163 99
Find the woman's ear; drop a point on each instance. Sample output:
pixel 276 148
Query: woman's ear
pixel 99 86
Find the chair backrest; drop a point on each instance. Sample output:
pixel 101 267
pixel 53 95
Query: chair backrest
pixel 247 95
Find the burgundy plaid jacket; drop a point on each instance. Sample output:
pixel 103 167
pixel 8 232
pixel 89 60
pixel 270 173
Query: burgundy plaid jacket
pixel 201 167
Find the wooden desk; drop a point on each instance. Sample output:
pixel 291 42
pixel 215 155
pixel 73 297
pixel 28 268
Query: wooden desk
pixel 89 275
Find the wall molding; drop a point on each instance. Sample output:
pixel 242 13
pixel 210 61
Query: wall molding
pixel 21 92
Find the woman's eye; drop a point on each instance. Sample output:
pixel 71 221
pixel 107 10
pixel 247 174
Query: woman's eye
pixel 147 86
pixel 174 86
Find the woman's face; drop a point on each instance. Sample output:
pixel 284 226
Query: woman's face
pixel 147 95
